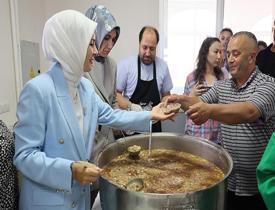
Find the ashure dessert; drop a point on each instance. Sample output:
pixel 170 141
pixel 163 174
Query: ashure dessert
pixel 165 171
pixel 172 107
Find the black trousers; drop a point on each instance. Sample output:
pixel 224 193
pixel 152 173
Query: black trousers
pixel 235 202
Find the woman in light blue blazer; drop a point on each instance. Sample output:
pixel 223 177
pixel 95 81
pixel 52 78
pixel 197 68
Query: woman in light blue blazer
pixel 58 112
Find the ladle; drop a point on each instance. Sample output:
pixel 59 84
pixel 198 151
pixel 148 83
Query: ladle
pixel 134 151
pixel 150 140
pixel 136 184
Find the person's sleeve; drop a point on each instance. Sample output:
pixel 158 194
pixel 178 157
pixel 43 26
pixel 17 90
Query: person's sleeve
pixel 266 174
pixel 122 119
pixel 121 76
pixel 187 86
pixel 264 99
pixel 167 80
pixel 30 137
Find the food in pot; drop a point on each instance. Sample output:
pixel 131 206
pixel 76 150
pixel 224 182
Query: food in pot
pixel 165 171
pixel 171 107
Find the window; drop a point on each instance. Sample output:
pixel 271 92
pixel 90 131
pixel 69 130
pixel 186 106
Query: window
pixel 256 17
pixel 184 24
pixel 189 22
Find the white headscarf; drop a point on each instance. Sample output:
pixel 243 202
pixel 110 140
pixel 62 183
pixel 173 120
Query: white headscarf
pixel 66 38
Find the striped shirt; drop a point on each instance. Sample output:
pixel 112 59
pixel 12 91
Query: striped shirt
pixel 246 142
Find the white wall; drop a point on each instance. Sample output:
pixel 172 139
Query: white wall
pixel 32 14
pixel 7 72
pixel 131 16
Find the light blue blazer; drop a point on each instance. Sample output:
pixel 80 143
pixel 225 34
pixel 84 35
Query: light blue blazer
pixel 48 138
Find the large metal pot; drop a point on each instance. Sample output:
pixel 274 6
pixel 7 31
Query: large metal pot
pixel 211 198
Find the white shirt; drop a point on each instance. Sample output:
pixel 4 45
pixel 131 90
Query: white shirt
pixel 127 75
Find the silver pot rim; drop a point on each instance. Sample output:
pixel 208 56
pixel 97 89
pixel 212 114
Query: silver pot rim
pixel 202 140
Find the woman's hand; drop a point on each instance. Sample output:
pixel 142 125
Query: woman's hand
pixel 85 172
pixel 198 90
pixel 158 114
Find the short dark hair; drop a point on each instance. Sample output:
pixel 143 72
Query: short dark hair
pixel 247 34
pixel 263 43
pixel 148 27
pixel 227 30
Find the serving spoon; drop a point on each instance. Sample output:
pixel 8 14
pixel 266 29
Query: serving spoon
pixel 136 184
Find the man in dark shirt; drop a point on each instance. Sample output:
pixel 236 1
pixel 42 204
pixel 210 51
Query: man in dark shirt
pixel 266 58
